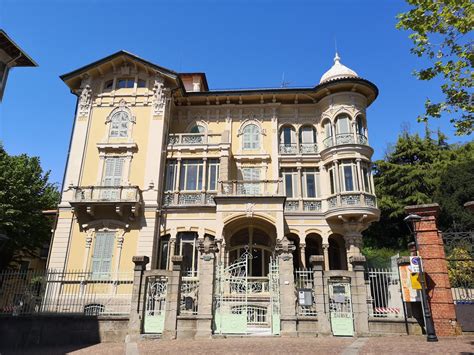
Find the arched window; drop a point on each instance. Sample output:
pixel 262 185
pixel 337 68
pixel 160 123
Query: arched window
pixel 343 124
pixel 288 140
pixel 308 140
pixel 251 139
pixel 327 126
pixel 119 125
pixel 198 129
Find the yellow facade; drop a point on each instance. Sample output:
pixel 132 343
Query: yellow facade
pixel 137 123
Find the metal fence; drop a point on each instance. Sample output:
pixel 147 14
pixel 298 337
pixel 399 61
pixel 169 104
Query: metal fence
pixel 384 293
pixel 72 292
pixel 304 279
pixel 189 295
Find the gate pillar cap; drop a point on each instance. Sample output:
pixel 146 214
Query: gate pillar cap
pixel 140 262
pixel 426 210
pixel 176 260
pixel 316 261
pixel 357 261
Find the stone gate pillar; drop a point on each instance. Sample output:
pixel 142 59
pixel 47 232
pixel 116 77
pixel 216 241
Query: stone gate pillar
pixel 138 297
pixel 359 295
pixel 431 250
pixel 208 249
pixel 284 249
pixel 173 299
pixel 317 263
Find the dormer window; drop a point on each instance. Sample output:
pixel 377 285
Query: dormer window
pixel 119 125
pixel 108 85
pixel 125 83
pixel 141 83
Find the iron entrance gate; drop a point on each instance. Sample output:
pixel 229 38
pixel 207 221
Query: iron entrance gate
pixel 244 304
pixel 340 307
pixel 155 304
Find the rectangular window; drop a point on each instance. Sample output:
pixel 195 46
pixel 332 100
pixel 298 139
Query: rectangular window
pixel 164 249
pixel 290 179
pixel 191 175
pixel 347 177
pixel 170 175
pixel 332 180
pixel 102 256
pixel 186 247
pixel 308 135
pixel 310 183
pixel 366 177
pixel 212 174
pixel 113 171
pixel 343 125
pixel 248 187
pixel 125 83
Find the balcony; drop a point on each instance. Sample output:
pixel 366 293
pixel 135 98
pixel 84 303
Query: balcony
pixel 121 197
pixel 302 148
pixel 251 188
pixel 189 198
pixel 352 199
pixel 305 205
pixel 185 139
pixel 345 138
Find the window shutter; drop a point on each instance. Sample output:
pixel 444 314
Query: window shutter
pixel 113 172
pixel 102 257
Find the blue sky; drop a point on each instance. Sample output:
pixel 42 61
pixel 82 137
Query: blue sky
pixel 238 44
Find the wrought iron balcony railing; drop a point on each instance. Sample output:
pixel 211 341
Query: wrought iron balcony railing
pixel 188 198
pixel 352 199
pixel 193 139
pixel 306 204
pixel 302 148
pixel 288 148
pixel 345 138
pixel 92 194
pixel 308 148
pixel 250 188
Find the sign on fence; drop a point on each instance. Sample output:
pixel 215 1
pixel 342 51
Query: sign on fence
pixel 409 293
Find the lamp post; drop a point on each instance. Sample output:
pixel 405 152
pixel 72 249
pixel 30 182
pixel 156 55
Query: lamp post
pixel 410 220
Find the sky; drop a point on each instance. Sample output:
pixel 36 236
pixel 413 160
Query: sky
pixel 238 44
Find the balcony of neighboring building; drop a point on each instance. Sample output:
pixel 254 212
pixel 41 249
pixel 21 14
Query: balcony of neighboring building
pixel 122 200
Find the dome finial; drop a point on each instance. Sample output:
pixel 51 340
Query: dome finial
pixel 337 59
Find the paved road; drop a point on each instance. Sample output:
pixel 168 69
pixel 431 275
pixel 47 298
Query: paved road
pixel 322 345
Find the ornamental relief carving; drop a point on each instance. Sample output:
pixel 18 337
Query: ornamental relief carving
pixel 85 103
pixel 159 96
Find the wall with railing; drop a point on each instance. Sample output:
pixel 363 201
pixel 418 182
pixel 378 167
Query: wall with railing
pixel 384 294
pixel 73 292
pixel 304 279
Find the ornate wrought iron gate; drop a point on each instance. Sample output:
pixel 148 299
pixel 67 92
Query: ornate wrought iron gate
pixel 340 308
pixel 244 304
pixel 155 304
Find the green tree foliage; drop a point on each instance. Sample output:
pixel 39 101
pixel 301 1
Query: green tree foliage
pixel 417 171
pixel 441 32
pixel 24 193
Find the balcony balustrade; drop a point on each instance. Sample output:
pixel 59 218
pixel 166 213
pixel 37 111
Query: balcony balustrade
pixel 98 194
pixel 288 148
pixel 308 148
pixel 352 199
pixel 302 148
pixel 193 139
pixel 188 198
pixel 305 205
pixel 251 188
pixel 345 138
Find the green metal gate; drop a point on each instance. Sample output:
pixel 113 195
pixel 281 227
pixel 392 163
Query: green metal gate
pixel 340 307
pixel 243 304
pixel 155 304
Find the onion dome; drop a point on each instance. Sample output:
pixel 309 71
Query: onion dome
pixel 337 71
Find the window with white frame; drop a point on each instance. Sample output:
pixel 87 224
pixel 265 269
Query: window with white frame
pixel 251 137
pixel 103 250
pixel 186 246
pixel 119 125
pixel 113 170
pixel 348 173
pixel 310 182
pixel 343 124
pixel 360 126
pixel 170 180
pixel 125 83
pixel 212 174
pixel 307 135
pixel 191 175
pixel 290 181
pixel 332 179
pixel 366 178
pixel 251 185
pixel 287 136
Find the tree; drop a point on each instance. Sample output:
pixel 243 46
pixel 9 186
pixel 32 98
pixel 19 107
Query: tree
pixel 417 171
pixel 441 31
pixel 24 193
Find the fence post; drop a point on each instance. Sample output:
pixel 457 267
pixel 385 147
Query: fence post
pixel 173 299
pixel 359 295
pixel 207 249
pixel 284 250
pixel 317 263
pixel 137 302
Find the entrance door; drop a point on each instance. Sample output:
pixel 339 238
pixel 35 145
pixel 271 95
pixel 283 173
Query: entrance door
pixel 340 308
pixel 155 304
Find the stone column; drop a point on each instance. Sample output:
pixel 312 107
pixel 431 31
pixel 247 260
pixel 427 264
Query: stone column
pixel 359 296
pixel 284 249
pixel 138 297
pixel 326 256
pixel 173 299
pixel 431 250
pixel 208 249
pixel 317 264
